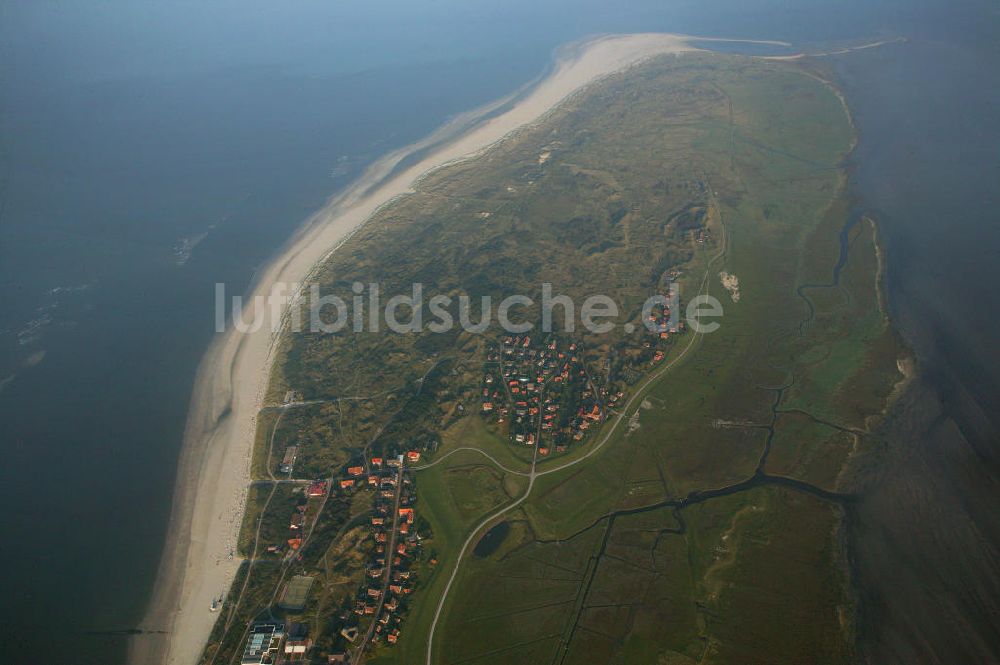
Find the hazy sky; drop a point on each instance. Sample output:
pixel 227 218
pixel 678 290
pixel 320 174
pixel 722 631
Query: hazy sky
pixel 120 38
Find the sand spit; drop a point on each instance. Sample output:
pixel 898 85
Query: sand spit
pixel 842 51
pixel 230 387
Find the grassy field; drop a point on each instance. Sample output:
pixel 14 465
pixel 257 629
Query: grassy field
pixel 704 528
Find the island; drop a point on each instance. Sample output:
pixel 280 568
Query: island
pixel 656 491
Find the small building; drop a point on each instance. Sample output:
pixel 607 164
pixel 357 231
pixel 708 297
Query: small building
pixel 288 461
pixel 296 649
pixel 355 470
pixel 263 644
pixel 317 488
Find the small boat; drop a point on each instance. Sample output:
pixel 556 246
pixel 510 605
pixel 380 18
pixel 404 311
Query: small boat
pixel 215 606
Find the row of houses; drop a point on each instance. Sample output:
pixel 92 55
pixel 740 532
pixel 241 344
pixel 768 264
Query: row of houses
pixel 359 474
pixel 298 521
pixel 662 326
pixel 389 572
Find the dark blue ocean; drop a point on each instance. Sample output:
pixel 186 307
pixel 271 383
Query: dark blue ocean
pixel 149 150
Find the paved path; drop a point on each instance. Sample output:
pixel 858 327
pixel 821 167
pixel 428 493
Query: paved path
pixel 474 450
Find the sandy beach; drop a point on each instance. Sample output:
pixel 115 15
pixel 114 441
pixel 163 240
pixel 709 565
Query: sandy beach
pixel 214 469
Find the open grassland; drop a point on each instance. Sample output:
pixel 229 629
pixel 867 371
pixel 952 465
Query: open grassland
pixel 697 525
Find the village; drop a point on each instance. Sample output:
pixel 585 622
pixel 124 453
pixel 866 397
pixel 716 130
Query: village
pixel 375 615
pixel 541 394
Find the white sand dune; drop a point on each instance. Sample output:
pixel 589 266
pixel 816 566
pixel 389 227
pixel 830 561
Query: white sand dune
pixel 232 378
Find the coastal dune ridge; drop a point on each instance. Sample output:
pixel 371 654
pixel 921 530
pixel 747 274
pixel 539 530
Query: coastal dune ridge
pixel 214 468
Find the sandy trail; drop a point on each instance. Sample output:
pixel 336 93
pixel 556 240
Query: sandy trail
pixel 214 470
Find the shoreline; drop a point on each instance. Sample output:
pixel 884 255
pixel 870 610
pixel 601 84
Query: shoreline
pixel 213 472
